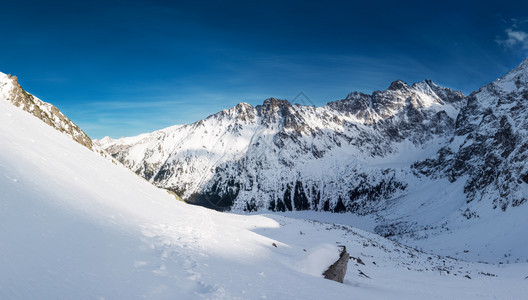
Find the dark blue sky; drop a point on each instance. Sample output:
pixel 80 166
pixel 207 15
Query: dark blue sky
pixel 121 68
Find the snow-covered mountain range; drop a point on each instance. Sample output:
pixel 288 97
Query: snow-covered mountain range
pixel 420 159
pixel 11 91
pixel 280 156
pixel 74 225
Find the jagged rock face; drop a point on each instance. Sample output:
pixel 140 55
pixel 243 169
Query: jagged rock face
pixel 401 112
pixel 49 114
pixel 489 148
pixel 280 156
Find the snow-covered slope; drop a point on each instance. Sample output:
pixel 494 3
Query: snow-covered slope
pixel 347 155
pixel 75 226
pixel 11 91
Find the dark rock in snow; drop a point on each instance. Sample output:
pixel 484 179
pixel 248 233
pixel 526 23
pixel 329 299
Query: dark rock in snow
pixel 337 271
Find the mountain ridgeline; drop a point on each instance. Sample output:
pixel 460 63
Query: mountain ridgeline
pixel 349 155
pixel 11 91
pixel 366 154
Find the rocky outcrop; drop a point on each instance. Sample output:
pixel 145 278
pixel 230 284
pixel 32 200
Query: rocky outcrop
pixel 337 271
pixel 11 90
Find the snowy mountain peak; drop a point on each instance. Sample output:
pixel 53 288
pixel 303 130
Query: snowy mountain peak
pixel 273 110
pixel 355 95
pixel 105 140
pixel 274 102
pixel 515 80
pixel 398 85
pixel 243 112
pixel 400 99
pixel 272 106
pixel 426 86
pixel 523 65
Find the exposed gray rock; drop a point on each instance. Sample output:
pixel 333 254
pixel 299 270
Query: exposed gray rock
pixel 337 271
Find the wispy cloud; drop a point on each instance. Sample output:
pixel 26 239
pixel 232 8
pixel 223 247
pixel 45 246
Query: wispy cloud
pixel 514 37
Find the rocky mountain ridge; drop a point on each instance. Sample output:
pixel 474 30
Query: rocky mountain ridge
pixel 11 91
pixel 490 143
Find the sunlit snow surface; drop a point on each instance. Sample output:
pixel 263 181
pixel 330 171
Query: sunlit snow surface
pixel 73 225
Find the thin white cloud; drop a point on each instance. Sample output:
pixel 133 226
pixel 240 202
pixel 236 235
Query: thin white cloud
pixel 515 38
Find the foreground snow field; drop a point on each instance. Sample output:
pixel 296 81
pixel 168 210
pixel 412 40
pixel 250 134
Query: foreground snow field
pixel 73 225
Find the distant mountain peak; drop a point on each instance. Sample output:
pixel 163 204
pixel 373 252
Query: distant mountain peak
pixel 398 85
pixel 244 105
pixel 272 103
pixel 397 99
pixel 273 109
pixel 515 80
pixel 523 64
pixel 425 83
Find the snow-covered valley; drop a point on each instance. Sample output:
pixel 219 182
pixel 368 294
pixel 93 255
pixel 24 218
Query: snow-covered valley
pixel 426 165
pixel 76 225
